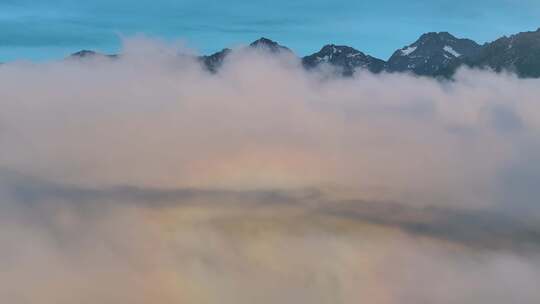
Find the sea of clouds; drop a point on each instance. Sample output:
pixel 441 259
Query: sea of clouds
pixel 146 179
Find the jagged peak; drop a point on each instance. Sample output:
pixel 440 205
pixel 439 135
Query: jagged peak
pixel 84 53
pixel 263 41
pixel 440 37
pixel 268 44
pixel 437 42
pixel 333 48
pixel 443 34
pixel 527 33
pixel 89 53
pixel 220 53
pixel 436 37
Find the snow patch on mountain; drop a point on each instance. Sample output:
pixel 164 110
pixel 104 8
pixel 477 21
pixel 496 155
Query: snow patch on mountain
pixel 408 51
pixel 450 50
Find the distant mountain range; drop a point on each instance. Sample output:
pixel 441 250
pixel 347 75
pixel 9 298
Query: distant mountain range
pixel 433 54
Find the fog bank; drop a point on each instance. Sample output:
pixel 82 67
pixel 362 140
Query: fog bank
pixel 147 179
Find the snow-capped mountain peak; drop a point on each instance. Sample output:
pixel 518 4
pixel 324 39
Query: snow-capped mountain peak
pixel 432 54
pixel 344 57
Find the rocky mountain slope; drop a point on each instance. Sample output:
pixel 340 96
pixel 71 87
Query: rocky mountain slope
pixel 345 58
pixel 518 53
pixel 433 54
pixel 214 61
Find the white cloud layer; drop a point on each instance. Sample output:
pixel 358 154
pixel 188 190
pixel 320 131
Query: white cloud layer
pixel 149 180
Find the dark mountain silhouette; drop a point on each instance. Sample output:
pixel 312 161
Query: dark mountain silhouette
pixel 518 53
pixel 90 54
pixel 345 58
pixel 269 45
pixel 213 62
pixel 433 54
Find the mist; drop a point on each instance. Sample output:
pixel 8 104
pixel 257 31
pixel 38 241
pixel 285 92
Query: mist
pixel 147 179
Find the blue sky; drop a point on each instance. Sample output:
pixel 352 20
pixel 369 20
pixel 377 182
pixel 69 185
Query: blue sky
pixel 44 29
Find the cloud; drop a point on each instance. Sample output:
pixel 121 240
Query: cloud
pixel 149 180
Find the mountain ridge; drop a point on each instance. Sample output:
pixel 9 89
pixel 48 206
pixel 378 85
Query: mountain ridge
pixel 433 54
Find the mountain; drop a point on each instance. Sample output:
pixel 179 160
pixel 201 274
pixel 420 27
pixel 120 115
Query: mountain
pixel 344 57
pixel 433 54
pixel 215 61
pixel 518 53
pixel 269 45
pixel 89 54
